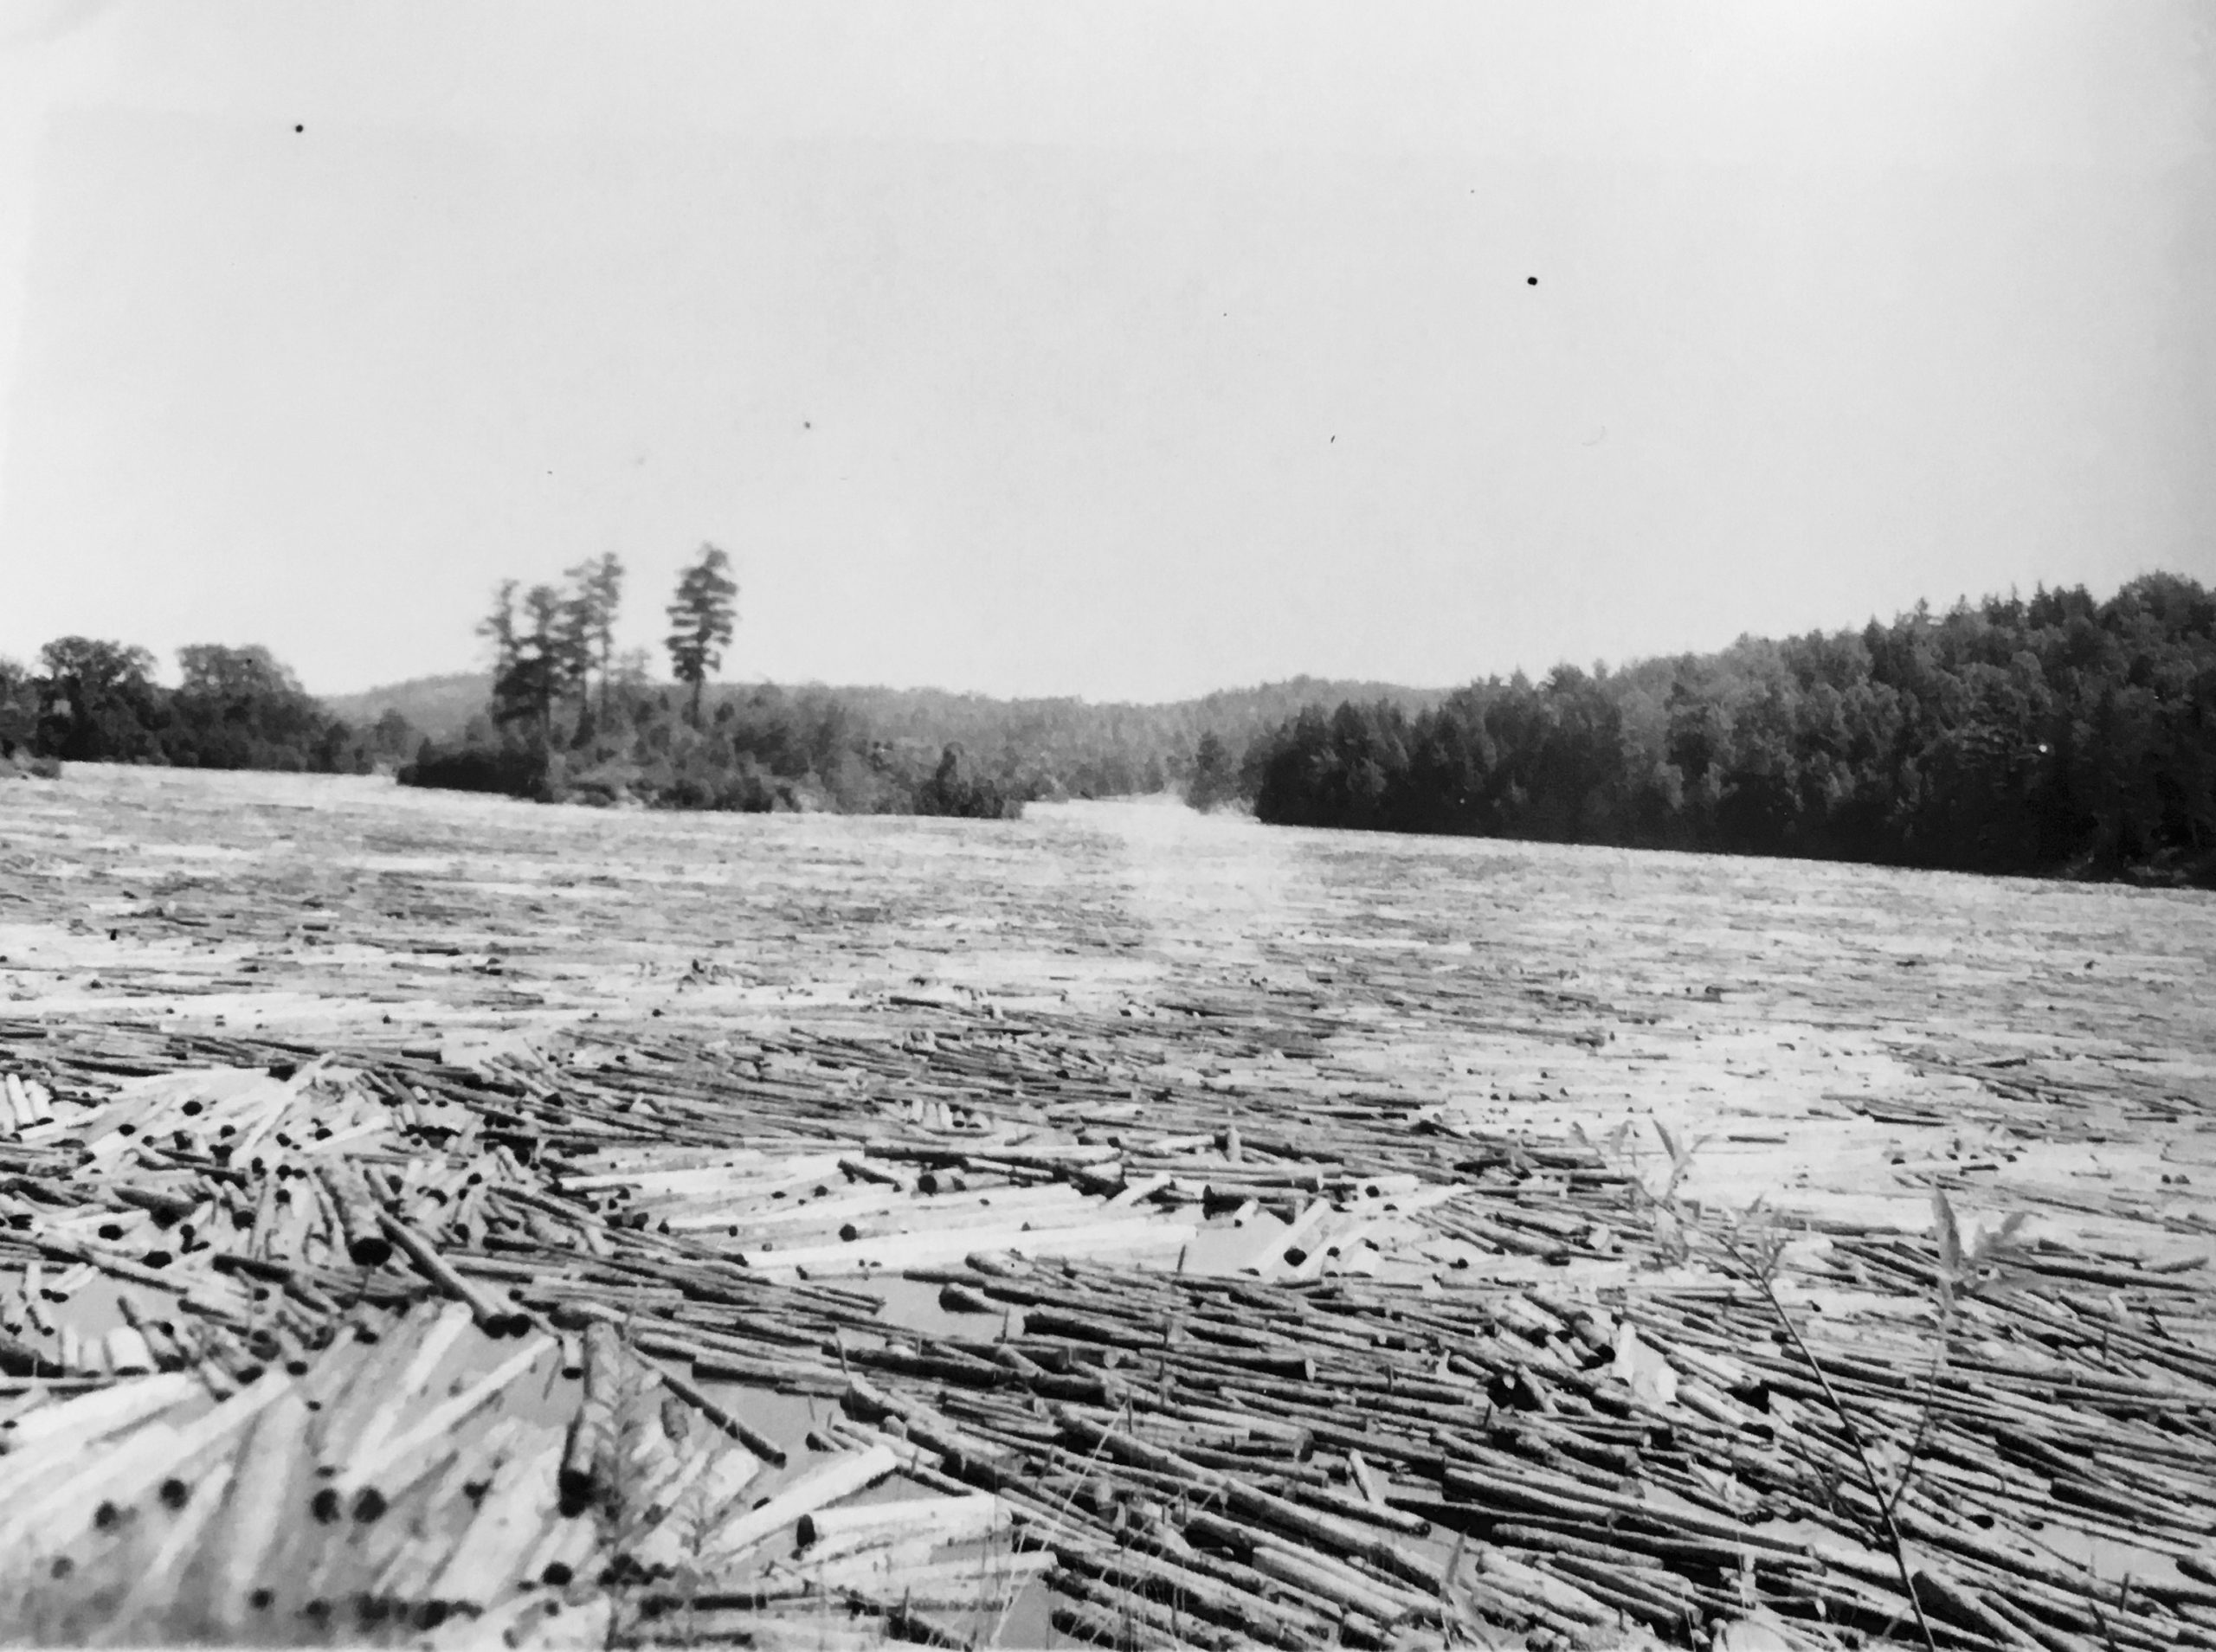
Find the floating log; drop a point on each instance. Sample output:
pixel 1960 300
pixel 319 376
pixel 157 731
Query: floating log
pixel 491 1317
pixel 829 1532
pixel 154 1591
pixel 398 1459
pixel 59 1514
pixel 367 1243
pixel 512 1515
pixel 841 1477
pixel 729 1421
pixel 1317 1574
pixel 126 1352
pixel 588 1467
pixel 258 1514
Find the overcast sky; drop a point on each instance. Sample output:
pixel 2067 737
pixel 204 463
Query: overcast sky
pixel 1126 351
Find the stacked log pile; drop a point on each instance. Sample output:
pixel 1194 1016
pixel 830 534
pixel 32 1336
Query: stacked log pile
pixel 364 1341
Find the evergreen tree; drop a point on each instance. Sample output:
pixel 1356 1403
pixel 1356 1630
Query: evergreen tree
pixel 701 620
pixel 498 627
pixel 596 593
pixel 539 660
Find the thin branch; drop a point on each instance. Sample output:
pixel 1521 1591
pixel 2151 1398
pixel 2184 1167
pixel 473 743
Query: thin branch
pixel 1892 1530
pixel 1924 1423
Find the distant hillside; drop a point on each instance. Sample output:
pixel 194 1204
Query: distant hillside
pixel 442 707
pixel 1236 714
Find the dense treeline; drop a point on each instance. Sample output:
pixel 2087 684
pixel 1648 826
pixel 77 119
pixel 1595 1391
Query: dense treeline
pixel 89 700
pixel 2059 734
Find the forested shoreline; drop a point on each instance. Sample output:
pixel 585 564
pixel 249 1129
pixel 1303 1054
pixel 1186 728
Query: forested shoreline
pixel 92 700
pixel 566 718
pixel 2053 735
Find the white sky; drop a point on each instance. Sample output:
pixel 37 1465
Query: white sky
pixel 1126 351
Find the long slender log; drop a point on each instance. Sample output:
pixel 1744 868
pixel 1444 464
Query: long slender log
pixel 152 1594
pixel 122 1476
pixel 1334 1534
pixel 839 1478
pixel 367 1244
pixel 1318 1574
pixel 1553 1596
pixel 730 1422
pixel 397 1461
pixel 512 1515
pixel 257 1513
pixel 1085 1621
pixel 587 1473
pixel 492 1316
pixel 1629 1593
pixel 826 1534
pixel 357 1407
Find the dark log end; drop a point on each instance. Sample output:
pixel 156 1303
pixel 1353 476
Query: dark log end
pixel 575 1491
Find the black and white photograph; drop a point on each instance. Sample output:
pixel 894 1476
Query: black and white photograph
pixel 1116 824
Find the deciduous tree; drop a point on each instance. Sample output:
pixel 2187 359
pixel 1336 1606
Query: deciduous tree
pixel 98 702
pixel 238 708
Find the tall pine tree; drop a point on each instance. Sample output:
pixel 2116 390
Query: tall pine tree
pixel 701 620
pixel 596 590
